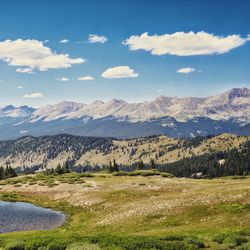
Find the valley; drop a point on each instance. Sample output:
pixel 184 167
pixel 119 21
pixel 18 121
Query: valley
pixel 128 212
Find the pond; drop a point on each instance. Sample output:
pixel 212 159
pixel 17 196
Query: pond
pixel 22 216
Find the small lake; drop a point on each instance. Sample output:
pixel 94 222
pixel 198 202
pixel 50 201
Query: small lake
pixel 22 216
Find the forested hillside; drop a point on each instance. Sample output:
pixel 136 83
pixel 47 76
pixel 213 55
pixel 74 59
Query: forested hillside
pixel 212 155
pixel 223 163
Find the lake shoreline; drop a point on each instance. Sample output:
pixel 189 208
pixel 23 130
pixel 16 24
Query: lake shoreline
pixel 19 216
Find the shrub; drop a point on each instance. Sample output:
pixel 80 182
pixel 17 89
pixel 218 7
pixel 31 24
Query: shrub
pixel 244 247
pixel 56 246
pixel 144 173
pixel 173 238
pixel 15 245
pixel 82 246
pixel 219 238
pixel 9 196
pixel 167 175
pixel 149 173
pixel 87 174
pixel 195 243
pixel 235 240
pixel 134 173
pixel 33 245
pixel 120 173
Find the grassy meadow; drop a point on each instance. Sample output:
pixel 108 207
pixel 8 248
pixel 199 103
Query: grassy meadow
pixel 140 211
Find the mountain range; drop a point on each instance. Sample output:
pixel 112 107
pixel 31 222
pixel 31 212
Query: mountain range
pixel 177 117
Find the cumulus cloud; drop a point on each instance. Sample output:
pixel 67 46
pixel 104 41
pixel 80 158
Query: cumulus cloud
pixel 24 70
pixel 119 72
pixel 19 87
pixel 85 78
pixel 185 44
pixel 34 55
pixel 34 95
pixel 64 41
pixel 97 39
pixel 186 70
pixel 63 79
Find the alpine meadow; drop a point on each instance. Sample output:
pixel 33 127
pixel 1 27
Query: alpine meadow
pixel 124 125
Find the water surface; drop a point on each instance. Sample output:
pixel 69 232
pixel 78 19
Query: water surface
pixel 22 216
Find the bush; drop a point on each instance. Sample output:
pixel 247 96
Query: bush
pixel 231 239
pixel 56 246
pixel 120 173
pixel 144 173
pixel 235 240
pixel 195 243
pixel 167 175
pixel 82 246
pixel 149 173
pixel 15 245
pixel 9 196
pixel 134 173
pixel 86 175
pixel 35 244
pixel 244 247
pixel 219 238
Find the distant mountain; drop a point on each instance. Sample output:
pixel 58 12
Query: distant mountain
pixel 48 151
pixel 177 117
pixel 245 130
pixel 11 111
pixel 234 103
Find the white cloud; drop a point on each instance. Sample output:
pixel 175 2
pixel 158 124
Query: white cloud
pixel 119 72
pixel 64 41
pixel 85 78
pixel 34 95
pixel 185 70
pixel 24 70
pixel 63 79
pixel 185 44
pixel 23 131
pixel 97 39
pixel 34 55
pixel 19 87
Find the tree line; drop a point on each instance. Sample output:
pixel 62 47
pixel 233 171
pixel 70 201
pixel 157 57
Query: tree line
pixel 7 172
pixel 210 165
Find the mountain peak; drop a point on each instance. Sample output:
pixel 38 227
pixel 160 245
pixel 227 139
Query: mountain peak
pixel 239 92
pixel 97 103
pixel 116 100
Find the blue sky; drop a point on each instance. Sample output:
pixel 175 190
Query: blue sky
pixel 214 58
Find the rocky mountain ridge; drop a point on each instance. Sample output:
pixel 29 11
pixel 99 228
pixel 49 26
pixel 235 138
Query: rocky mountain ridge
pixel 188 116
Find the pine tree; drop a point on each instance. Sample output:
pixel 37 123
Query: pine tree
pixel 66 167
pixel 110 169
pixel 115 167
pixel 140 165
pixel 1 173
pixel 59 169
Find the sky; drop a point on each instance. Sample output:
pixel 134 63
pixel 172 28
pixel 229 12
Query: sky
pixel 86 50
